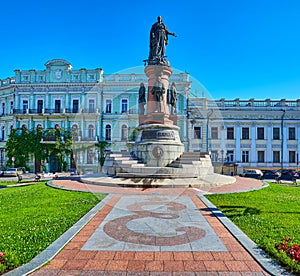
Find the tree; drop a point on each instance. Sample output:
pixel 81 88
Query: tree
pixel 102 145
pixel 62 145
pixel 41 144
pixel 18 147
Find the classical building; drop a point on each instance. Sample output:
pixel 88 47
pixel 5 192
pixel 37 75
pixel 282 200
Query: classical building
pixel 95 106
pixel 250 133
pixel 101 107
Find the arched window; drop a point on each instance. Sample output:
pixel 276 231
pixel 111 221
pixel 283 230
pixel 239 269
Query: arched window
pixel 39 128
pixel 108 132
pixel 91 132
pixel 75 132
pixel 124 133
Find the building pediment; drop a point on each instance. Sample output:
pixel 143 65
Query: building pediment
pixel 58 63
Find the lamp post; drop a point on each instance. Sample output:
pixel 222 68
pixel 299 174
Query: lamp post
pixel 222 158
pixel 208 115
pixel 282 146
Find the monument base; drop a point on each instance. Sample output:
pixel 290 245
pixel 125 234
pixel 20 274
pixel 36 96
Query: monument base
pixel 157 118
pixel 158 145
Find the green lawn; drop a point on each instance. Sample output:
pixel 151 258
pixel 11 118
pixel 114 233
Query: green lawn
pixel 266 216
pixel 32 217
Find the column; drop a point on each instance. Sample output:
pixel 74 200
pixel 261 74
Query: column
pixel 67 104
pixel 253 158
pixel 238 157
pixel 284 144
pixel 269 157
pixel 298 145
pixel 223 133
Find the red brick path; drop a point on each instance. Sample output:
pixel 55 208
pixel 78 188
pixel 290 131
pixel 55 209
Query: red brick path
pixel 74 261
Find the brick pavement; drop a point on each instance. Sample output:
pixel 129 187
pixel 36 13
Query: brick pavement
pixel 183 258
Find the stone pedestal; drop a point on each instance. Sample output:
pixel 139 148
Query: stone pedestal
pixel 158 145
pixel 153 116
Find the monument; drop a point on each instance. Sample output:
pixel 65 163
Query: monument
pixel 158 143
pixel 158 151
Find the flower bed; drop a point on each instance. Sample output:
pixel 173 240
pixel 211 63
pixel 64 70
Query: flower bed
pixel 292 250
pixel 8 261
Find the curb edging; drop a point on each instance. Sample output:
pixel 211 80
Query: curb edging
pixel 53 249
pixel 258 254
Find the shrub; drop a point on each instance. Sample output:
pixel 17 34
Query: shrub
pixel 292 250
pixel 8 261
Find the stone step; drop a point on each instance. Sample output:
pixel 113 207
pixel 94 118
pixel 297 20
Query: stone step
pixel 163 176
pixel 157 171
pixel 126 161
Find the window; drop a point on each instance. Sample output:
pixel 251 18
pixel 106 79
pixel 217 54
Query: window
pixel 40 106
pixel 124 107
pixel 230 133
pixel 91 106
pixel 214 133
pixel 124 134
pixel 230 156
pixel 91 132
pixel 75 106
pixel 11 107
pixel 90 156
pixel 245 134
pixel 25 106
pixel 276 133
pixel 292 133
pixel 260 156
pixel 3 108
pixel 75 132
pixel 214 155
pixel 108 132
pixel 197 132
pixel 108 106
pixel 75 77
pixel 3 133
pixel 25 78
pixel 292 156
pixel 245 156
pixel 276 156
pixel 91 77
pixel 260 133
pixel 57 106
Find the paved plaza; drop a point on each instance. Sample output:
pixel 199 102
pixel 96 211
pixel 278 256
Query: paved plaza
pixel 156 231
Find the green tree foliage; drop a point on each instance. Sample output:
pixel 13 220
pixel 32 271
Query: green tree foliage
pixel 102 145
pixel 40 143
pixel 18 147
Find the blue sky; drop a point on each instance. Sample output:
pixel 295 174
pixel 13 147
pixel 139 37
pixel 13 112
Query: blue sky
pixel 234 48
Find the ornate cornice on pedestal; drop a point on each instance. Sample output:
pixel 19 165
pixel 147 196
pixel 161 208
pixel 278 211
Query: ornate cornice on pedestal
pixel 158 70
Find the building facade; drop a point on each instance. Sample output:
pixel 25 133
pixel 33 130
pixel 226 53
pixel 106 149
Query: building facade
pixel 251 133
pixel 98 107
pixel 94 106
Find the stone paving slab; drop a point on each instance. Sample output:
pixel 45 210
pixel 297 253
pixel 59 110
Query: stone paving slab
pixel 155 223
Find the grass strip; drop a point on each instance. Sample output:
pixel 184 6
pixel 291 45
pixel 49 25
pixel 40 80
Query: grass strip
pixel 266 216
pixel 32 217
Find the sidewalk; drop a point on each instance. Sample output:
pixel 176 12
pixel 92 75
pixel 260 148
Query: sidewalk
pixel 156 231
